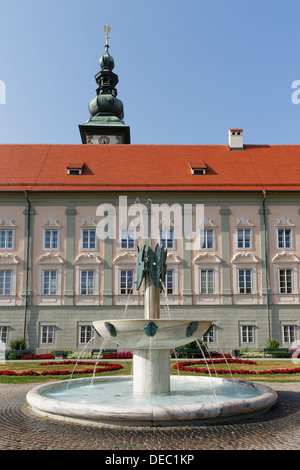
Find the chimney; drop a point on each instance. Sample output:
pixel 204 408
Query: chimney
pixel 235 139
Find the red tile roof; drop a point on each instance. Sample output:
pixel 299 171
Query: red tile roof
pixel 149 167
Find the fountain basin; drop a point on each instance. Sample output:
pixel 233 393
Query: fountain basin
pixel 154 334
pixel 116 408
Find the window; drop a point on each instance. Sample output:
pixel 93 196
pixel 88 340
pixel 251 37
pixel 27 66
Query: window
pixel 289 333
pixel 169 282
pixel 87 282
pixel 5 282
pixel 247 334
pixel 285 281
pixel 206 281
pixel 127 239
pixel 47 334
pixel 167 238
pixel 207 239
pixel 88 239
pixel 284 238
pixel 6 239
pixel 51 239
pixel 244 238
pixel 209 336
pixel 126 281
pixel 85 334
pixel 49 282
pixel 244 281
pixel 3 334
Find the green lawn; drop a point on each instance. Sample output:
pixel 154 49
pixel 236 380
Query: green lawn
pixel 126 369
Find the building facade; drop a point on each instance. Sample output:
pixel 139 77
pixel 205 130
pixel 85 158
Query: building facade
pixel 70 221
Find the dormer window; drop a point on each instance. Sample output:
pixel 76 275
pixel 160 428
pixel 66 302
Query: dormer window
pixel 75 168
pixel 198 168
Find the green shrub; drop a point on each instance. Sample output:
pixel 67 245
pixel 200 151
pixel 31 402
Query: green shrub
pixel 272 344
pixel 18 344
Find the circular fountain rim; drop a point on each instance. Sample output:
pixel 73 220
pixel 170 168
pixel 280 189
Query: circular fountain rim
pixel 149 415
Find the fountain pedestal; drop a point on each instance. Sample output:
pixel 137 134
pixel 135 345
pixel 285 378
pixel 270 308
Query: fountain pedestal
pixel 151 371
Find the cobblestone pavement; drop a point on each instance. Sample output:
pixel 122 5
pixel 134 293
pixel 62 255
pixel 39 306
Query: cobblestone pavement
pixel 278 429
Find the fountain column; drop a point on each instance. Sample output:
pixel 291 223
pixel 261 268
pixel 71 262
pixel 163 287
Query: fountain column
pixel 151 367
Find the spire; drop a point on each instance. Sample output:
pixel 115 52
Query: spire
pixel 106 110
pixel 106 102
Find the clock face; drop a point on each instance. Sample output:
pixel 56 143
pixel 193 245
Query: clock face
pixel 103 139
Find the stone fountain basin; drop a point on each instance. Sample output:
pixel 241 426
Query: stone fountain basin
pixel 167 334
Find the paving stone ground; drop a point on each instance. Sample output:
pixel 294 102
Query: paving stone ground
pixel 278 429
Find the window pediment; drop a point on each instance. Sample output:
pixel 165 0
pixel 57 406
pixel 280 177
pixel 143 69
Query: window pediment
pixel 125 259
pixel 89 222
pixel 172 259
pixel 7 222
pixel 51 222
pixel 207 258
pixel 244 258
pixel 51 259
pixel 243 222
pixel 87 259
pixel 8 259
pixel 285 257
pixel 284 222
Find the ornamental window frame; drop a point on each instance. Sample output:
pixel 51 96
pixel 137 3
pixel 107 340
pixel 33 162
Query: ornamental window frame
pixel 50 262
pixel 243 224
pixel 88 225
pixel 125 262
pixel 52 226
pixel 206 262
pixel 284 224
pixel 9 262
pixel 286 261
pixel 207 226
pixel 7 226
pixel 87 262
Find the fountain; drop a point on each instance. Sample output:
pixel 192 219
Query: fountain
pixel 151 397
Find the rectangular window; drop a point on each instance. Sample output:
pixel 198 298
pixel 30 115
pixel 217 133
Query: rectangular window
pixel 284 238
pixel 126 281
pixel 127 239
pixel 47 334
pixel 244 237
pixel 3 334
pixel 169 282
pixel 207 239
pixel 5 282
pixel 167 238
pixel 49 282
pixel 85 334
pixel 6 239
pixel 88 239
pixel 247 334
pixel 209 336
pixel 206 281
pixel 51 239
pixel 285 281
pixel 289 333
pixel 245 281
pixel 87 282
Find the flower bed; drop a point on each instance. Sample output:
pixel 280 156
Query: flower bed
pixel 118 355
pixel 104 367
pixel 38 356
pixel 190 367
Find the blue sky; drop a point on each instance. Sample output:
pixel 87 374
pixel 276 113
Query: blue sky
pixel 188 69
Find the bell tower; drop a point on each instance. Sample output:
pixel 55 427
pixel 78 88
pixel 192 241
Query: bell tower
pixel 105 125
